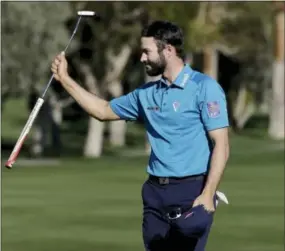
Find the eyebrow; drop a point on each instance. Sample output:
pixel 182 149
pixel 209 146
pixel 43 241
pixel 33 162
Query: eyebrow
pixel 145 49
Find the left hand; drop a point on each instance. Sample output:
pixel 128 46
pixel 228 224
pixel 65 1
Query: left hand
pixel 207 202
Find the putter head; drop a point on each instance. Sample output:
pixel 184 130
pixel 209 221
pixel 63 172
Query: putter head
pixel 85 13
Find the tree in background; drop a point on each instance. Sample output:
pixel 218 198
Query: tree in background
pixel 249 90
pixel 105 49
pixel 33 33
pixel 223 27
pixel 276 121
pixel 102 53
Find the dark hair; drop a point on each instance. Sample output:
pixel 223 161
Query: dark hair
pixel 165 32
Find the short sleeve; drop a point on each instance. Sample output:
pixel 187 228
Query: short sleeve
pixel 126 106
pixel 213 105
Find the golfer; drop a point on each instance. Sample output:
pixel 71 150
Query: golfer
pixel 185 115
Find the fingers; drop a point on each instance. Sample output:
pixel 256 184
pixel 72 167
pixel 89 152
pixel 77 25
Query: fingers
pixel 54 65
pixel 54 68
pixel 59 58
pixel 208 208
pixel 58 64
pixel 196 203
pixel 56 61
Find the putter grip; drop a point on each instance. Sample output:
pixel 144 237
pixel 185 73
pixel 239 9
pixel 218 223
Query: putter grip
pixel 24 133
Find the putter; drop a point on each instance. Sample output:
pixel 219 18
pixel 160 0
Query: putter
pixel 33 115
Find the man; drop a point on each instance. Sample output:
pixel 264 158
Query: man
pixel 186 119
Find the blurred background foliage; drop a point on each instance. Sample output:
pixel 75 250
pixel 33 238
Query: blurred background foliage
pixel 234 43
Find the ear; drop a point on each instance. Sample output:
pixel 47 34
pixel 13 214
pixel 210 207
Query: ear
pixel 169 49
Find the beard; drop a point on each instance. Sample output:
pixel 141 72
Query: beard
pixel 155 68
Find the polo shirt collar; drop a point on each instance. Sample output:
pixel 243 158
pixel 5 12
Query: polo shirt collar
pixel 183 77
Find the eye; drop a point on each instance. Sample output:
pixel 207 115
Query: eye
pixel 146 51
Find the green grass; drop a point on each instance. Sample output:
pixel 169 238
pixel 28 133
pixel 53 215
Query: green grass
pixel 96 205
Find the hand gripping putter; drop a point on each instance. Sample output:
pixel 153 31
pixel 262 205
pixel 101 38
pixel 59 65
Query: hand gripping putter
pixel 40 101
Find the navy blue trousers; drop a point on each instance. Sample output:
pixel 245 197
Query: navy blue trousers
pixel 162 234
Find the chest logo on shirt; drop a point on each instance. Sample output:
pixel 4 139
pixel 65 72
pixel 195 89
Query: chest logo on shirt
pixel 153 108
pixel 175 105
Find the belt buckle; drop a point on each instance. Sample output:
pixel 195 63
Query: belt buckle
pixel 174 214
pixel 163 180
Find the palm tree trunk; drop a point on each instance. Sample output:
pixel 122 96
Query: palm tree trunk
pixel 276 120
pixel 117 129
pixel 211 62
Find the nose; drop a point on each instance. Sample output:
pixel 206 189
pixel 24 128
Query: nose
pixel 143 58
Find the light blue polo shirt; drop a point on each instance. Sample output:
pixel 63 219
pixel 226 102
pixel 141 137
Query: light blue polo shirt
pixel 177 119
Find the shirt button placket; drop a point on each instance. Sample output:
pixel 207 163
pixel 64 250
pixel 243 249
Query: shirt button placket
pixel 164 98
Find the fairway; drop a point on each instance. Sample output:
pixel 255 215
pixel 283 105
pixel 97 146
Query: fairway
pixel 92 205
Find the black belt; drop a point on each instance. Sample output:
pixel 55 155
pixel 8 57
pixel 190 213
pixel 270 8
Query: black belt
pixel 169 180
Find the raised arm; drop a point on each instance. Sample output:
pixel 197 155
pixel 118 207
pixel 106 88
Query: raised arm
pixel 92 104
